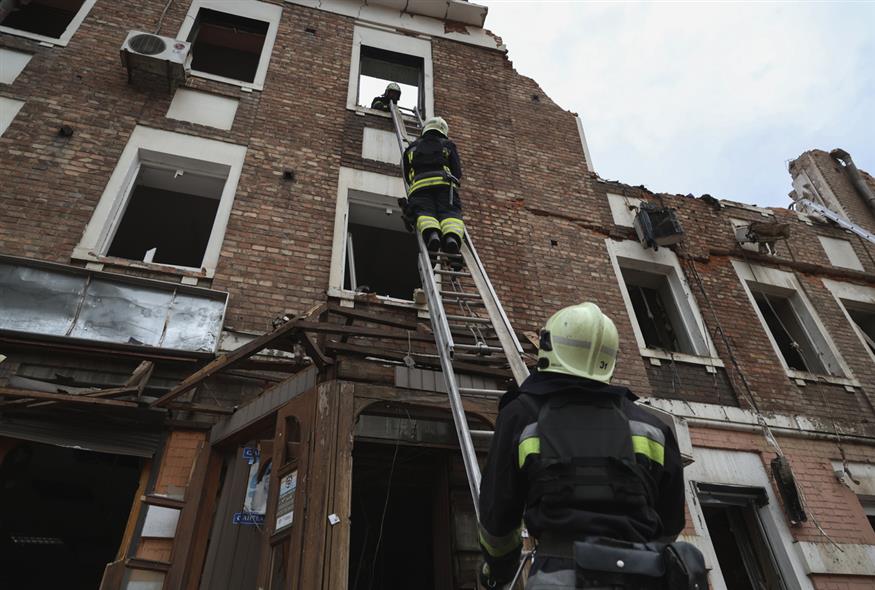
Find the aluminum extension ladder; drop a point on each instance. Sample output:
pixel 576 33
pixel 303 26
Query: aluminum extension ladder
pixel 835 217
pixel 466 333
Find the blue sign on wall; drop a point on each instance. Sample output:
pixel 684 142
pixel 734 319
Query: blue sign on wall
pixel 248 518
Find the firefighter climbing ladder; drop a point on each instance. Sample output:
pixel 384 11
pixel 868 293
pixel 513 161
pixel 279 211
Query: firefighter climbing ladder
pixel 466 291
pixel 835 217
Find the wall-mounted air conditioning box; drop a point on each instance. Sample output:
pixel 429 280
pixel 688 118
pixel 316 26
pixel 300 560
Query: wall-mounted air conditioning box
pixel 657 226
pixel 148 55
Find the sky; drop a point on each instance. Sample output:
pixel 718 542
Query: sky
pixel 700 98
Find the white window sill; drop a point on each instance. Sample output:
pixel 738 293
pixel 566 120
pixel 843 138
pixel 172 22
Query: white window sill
pixel 184 271
pixel 360 110
pixel 352 296
pixel 681 357
pixel 246 86
pixel 817 378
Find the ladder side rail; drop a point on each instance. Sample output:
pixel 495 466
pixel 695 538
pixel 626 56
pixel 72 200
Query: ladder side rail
pixel 513 350
pixel 838 219
pixel 444 341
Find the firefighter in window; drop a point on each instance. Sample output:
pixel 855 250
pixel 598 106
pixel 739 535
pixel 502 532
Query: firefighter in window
pixel 597 479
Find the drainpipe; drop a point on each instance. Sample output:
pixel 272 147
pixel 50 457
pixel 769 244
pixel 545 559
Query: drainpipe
pixel 844 158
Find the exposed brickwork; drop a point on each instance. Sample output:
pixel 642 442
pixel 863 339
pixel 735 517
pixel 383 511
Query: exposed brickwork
pixel 691 383
pixel 177 462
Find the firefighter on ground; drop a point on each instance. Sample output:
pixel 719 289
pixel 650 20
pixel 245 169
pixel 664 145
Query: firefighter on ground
pixel 578 460
pixel 433 171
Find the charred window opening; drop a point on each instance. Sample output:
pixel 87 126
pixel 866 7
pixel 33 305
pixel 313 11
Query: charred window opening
pixel 790 333
pixel 378 67
pixel 49 18
pixel 227 45
pixel 657 312
pixel 380 253
pixel 169 217
pixel 737 533
pixel 864 320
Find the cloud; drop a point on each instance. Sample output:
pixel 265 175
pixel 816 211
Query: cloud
pixel 703 97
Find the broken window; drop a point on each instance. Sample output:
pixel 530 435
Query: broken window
pixel 864 319
pixel 168 217
pixel 379 67
pixel 732 515
pixel 47 18
pixel 789 330
pixel 868 503
pixel 657 312
pixel 227 45
pixel 380 253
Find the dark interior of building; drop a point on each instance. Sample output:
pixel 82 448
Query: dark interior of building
pixel 741 549
pixel 43 17
pixel 177 224
pixel 63 512
pixel 385 261
pixel 227 45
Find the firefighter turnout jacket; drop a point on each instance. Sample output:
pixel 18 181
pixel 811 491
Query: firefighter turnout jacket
pixel 429 160
pixel 577 458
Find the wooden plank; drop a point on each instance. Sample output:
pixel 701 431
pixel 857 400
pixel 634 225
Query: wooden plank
pixel 229 359
pixel 325 328
pixel 140 377
pixel 136 508
pixel 63 397
pixel 377 318
pixel 337 562
pixel 205 408
pixel 163 501
pixel 147 564
pixel 315 352
pixel 100 393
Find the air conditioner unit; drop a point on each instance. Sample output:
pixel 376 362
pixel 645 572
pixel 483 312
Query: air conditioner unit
pixel 657 226
pixel 155 56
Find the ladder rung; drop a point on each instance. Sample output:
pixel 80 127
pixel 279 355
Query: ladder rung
pixel 478 391
pixel 451 301
pixel 460 295
pixel 468 319
pixel 482 433
pixel 452 273
pixel 479 347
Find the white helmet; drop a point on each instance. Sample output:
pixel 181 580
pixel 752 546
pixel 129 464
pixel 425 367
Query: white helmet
pixel 579 340
pixel 438 124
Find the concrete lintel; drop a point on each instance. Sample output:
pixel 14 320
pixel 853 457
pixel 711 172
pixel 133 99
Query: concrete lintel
pixel 847 559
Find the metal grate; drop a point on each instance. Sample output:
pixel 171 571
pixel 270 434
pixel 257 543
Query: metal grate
pixel 147 44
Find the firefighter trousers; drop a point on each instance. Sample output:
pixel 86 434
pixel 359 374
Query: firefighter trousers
pixel 437 208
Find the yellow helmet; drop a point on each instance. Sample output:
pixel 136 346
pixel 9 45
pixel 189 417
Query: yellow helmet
pixel 579 340
pixel 438 124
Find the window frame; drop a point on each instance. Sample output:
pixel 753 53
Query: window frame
pixel 350 179
pixel 783 283
pixel 262 11
pixel 397 43
pixel 65 37
pixel 631 255
pixel 9 109
pixel 842 292
pixel 162 148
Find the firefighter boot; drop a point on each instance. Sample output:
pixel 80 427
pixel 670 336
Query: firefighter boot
pixel 432 239
pixel 451 244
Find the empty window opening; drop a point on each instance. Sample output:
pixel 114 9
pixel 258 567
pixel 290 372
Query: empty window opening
pixel 169 217
pixel 868 503
pixel 49 18
pixel 378 67
pixel 227 45
pixel 380 254
pixel 864 319
pixel 790 333
pixel 63 511
pixel 739 539
pixel 656 311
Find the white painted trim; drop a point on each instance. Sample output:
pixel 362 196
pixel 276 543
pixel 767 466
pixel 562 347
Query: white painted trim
pixel 848 559
pixel 747 469
pixel 12 63
pixel 358 180
pixel 840 253
pixel 401 21
pixel 65 37
pixel 727 417
pixel 665 262
pixel 858 293
pixel 168 148
pixel 9 108
pixel 363 35
pixel 584 144
pixel 160 522
pixel 269 13
pixel 786 282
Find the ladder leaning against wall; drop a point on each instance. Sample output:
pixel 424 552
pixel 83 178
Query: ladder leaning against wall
pixel 466 316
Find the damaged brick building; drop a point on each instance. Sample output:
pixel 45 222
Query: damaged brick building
pixel 214 371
